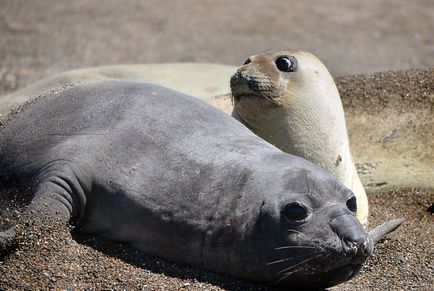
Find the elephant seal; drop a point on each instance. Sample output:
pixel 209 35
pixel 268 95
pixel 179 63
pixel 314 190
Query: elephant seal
pixel 290 99
pixel 179 179
pixel 210 80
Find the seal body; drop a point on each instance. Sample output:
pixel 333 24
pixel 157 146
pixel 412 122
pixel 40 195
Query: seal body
pixel 179 179
pixel 290 99
pixel 202 80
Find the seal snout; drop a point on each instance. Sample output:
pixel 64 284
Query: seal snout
pixel 236 80
pixel 355 240
pixel 357 245
pixel 243 85
pixel 247 83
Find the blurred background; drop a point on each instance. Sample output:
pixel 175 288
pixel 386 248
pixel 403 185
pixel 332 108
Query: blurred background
pixel 39 38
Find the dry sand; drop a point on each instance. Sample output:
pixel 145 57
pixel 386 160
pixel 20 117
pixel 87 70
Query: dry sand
pixel 50 258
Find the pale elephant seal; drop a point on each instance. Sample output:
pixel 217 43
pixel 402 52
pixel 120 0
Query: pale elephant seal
pixel 179 179
pixel 290 99
pixel 209 80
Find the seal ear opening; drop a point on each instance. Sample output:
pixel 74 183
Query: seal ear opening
pixel 248 61
pixel 379 232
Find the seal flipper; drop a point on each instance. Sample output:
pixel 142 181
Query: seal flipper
pixel 60 194
pixel 53 199
pixel 59 197
pixel 51 202
pixel 384 229
pixel 7 238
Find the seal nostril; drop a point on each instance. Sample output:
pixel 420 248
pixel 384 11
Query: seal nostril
pixel 350 247
pixel 365 251
pixel 253 84
pixel 359 249
pixel 235 79
pixel 366 248
pixel 363 248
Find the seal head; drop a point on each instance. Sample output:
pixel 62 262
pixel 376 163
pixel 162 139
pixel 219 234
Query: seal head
pixel 317 238
pixel 290 99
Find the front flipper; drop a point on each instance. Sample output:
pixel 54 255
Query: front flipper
pixel 7 238
pixel 384 229
pixel 59 197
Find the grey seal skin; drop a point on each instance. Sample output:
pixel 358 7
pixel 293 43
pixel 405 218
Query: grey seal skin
pixel 181 180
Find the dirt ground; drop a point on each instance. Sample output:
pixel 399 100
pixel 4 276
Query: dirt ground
pixel 40 38
pixel 50 258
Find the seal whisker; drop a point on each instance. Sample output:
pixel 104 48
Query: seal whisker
pixel 336 185
pixel 300 263
pixel 295 247
pixel 290 273
pixel 288 259
pixel 341 185
pixel 307 182
pixel 328 263
pixel 270 100
pixel 295 231
pixel 327 205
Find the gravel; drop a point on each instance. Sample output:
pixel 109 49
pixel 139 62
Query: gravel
pixel 52 257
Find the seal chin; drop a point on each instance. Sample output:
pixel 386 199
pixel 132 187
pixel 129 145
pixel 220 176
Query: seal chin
pixel 322 272
pixel 339 275
pixel 326 279
pixel 241 96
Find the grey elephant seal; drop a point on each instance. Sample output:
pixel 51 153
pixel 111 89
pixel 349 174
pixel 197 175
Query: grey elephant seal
pixel 290 99
pixel 181 180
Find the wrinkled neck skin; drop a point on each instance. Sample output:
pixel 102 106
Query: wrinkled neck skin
pixel 304 116
pixel 307 120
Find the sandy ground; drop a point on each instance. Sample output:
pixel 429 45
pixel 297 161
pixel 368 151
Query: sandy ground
pixel 40 38
pixel 50 258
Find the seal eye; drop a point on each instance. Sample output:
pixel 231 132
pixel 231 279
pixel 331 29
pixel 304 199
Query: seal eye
pixel 294 212
pixel 352 204
pixel 286 63
pixel 248 61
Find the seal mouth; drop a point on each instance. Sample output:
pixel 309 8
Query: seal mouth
pixel 249 87
pixel 241 87
pixel 340 274
pixel 311 277
pixel 242 91
pixel 319 270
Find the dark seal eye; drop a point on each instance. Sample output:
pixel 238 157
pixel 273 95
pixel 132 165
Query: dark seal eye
pixel 294 212
pixel 352 204
pixel 286 63
pixel 248 61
